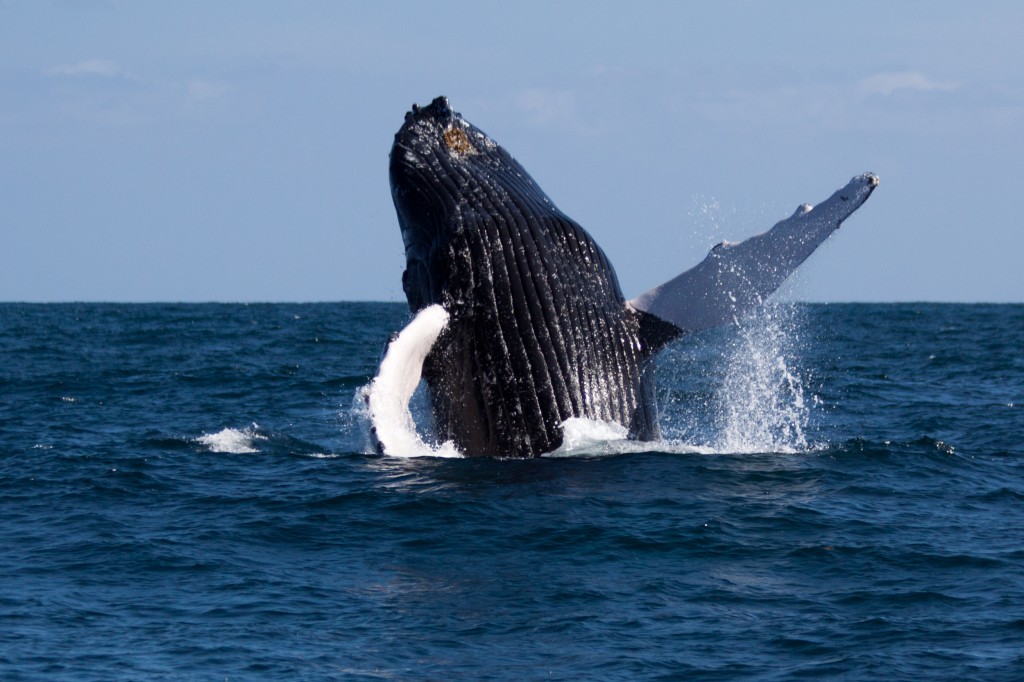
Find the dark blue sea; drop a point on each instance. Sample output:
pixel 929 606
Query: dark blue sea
pixel 187 493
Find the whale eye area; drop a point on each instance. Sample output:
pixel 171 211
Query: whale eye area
pixel 457 141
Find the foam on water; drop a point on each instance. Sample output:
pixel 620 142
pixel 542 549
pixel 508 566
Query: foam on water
pixel 232 441
pixel 589 438
pixel 757 407
pixel 582 437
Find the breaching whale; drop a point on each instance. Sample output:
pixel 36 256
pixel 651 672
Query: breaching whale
pixel 519 322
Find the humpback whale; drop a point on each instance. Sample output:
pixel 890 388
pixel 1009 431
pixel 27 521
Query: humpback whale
pixel 519 322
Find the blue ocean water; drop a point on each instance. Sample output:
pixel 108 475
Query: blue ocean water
pixel 186 494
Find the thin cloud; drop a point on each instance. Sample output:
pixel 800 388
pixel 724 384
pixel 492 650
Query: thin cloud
pixel 101 68
pixel 201 90
pixel 888 83
pixel 547 106
pixel 554 108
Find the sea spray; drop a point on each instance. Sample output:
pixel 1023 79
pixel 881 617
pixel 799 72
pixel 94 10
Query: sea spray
pixel 760 404
pixel 233 441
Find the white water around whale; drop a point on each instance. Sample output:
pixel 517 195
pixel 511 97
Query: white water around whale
pixel 757 400
pixel 594 438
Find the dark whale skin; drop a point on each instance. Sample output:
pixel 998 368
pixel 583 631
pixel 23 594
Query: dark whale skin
pixel 538 328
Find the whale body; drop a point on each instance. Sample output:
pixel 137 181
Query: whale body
pixel 520 323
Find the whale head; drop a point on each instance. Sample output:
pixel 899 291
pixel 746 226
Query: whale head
pixel 537 329
pixel 439 165
pixel 431 165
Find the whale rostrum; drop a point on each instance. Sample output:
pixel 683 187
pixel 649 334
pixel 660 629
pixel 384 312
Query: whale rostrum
pixel 520 323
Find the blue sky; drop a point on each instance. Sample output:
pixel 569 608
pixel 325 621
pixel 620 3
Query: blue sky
pixel 237 151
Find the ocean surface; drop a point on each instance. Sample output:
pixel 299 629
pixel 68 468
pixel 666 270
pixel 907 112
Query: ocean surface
pixel 187 493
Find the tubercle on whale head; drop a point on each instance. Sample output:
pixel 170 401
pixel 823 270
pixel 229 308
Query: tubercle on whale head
pixel 436 129
pixel 438 109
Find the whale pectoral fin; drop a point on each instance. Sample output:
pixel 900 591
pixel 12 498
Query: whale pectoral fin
pixel 734 278
pixel 392 429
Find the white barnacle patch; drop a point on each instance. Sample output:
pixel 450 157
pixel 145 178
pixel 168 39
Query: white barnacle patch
pixel 484 142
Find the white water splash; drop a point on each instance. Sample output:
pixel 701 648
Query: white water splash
pixel 760 403
pixel 758 406
pixel 589 436
pixel 232 441
pixel 592 438
pixel 582 437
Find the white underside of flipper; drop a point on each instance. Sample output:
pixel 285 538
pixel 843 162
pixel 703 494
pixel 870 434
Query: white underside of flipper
pixel 736 277
pixel 391 424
